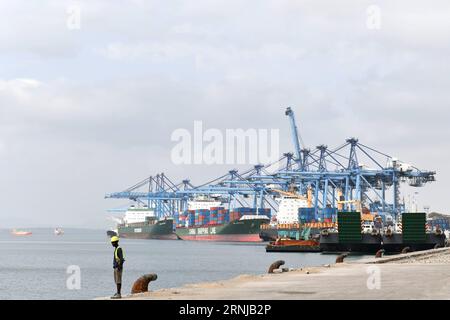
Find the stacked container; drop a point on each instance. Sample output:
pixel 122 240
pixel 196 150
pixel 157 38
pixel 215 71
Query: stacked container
pixel 245 210
pixel 201 217
pixel 223 216
pixel 442 223
pixel 214 215
pixel 176 218
pixel 307 215
pixel 235 215
pixel 329 214
pixel 182 218
pixel 265 212
pixel 191 217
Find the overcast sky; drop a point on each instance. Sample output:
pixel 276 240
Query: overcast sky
pixel 88 111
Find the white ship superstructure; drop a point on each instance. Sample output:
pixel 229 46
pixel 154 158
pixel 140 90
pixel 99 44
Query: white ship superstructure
pixel 201 203
pixel 138 214
pixel 288 209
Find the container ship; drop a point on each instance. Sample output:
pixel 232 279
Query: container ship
pixel 142 223
pixel 219 224
pixel 295 215
pixel 299 227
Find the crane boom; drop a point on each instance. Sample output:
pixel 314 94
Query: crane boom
pixel 295 135
pixel 289 194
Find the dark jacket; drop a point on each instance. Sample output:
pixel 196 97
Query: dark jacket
pixel 118 259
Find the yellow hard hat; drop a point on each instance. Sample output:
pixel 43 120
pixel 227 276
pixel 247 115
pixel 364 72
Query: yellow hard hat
pixel 114 238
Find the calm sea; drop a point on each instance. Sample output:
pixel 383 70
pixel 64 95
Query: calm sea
pixel 35 267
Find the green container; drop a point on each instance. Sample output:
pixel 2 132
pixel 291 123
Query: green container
pixel 413 227
pixel 349 227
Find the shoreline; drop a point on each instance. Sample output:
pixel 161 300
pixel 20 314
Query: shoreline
pixel 416 275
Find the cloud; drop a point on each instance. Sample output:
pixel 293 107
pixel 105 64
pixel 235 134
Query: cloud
pixel 18 89
pixel 87 112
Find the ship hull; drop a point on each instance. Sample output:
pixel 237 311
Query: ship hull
pixel 272 234
pixel 235 231
pixel 161 230
pixel 269 234
pixel 293 246
pixel 371 244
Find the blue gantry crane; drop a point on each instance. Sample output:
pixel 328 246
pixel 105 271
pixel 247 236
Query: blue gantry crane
pixel 351 176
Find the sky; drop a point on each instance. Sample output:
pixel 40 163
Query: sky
pixel 88 105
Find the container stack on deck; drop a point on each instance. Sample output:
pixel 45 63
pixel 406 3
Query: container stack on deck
pixel 202 217
pixel 306 215
pixel 328 214
pixel 442 223
pixel 245 210
pixel 214 215
pixel 235 215
pixel 265 211
pixel 191 217
pixel 223 216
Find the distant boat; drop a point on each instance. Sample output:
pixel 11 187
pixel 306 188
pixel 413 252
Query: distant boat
pixel 59 231
pixel 20 233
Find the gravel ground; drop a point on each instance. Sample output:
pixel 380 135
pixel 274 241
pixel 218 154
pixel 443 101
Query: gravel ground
pixel 441 258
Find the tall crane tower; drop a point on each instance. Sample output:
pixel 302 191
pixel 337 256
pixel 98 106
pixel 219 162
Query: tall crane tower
pixel 295 135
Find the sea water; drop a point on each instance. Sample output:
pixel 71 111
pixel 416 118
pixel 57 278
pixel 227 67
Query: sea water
pixel 78 264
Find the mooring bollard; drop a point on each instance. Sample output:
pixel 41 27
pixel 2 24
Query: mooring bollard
pixel 406 250
pixel 340 259
pixel 379 253
pixel 141 284
pixel 275 265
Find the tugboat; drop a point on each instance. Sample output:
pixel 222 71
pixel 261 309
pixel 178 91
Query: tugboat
pixel 291 245
pixel 304 242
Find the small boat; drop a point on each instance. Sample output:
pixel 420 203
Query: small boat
pixel 20 233
pixel 58 231
pixel 290 245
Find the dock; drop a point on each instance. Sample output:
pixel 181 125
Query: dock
pixel 417 275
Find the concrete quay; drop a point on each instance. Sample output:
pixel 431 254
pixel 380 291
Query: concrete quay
pixel 418 275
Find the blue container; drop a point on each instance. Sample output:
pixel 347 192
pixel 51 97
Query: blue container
pixel 266 212
pixel 226 216
pixel 245 211
pixel 328 214
pixel 442 223
pixel 306 215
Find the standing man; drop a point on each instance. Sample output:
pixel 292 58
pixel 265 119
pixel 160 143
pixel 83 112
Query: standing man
pixel 118 261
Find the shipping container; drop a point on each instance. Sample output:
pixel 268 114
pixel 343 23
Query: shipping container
pixel 306 215
pixel 413 226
